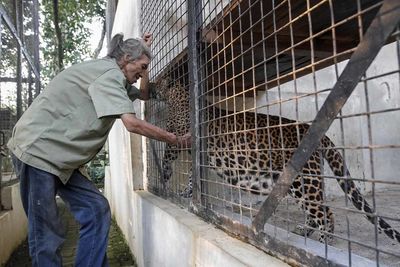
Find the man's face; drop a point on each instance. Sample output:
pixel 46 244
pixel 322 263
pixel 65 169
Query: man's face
pixel 134 70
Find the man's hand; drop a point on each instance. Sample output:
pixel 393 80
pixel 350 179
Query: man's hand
pixel 148 38
pixel 184 141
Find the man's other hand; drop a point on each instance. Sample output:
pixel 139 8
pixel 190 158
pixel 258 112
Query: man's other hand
pixel 148 38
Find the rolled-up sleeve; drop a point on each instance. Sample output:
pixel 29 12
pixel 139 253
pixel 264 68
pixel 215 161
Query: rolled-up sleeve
pixel 109 95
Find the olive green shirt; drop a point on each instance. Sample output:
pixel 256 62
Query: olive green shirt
pixel 69 122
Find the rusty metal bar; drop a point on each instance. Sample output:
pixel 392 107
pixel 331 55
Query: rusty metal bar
pixel 380 29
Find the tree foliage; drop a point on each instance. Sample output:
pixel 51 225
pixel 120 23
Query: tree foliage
pixel 74 18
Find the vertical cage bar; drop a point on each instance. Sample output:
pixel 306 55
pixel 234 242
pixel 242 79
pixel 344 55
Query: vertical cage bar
pixel 1 45
pixel 194 13
pixel 18 22
pixel 1 42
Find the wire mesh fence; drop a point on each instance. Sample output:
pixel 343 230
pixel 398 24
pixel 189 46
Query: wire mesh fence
pixel 19 73
pixel 170 64
pixel 263 70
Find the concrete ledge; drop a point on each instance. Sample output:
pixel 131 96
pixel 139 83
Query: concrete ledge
pixel 171 236
pixel 13 224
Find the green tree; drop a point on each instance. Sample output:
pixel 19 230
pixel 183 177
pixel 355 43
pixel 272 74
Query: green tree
pixel 65 33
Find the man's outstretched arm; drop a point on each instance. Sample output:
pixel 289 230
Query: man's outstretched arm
pixel 138 126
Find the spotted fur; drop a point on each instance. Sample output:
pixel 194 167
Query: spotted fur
pixel 246 150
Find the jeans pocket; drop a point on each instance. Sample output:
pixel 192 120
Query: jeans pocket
pixel 18 166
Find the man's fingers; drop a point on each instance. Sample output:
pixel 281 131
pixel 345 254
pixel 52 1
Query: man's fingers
pixel 148 38
pixel 185 141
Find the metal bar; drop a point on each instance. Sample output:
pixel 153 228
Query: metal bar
pixel 194 17
pixel 1 45
pixel 13 31
pixel 14 80
pixel 1 42
pixel 20 45
pixel 380 29
pixel 30 95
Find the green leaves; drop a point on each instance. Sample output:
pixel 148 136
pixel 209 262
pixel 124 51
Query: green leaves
pixel 74 20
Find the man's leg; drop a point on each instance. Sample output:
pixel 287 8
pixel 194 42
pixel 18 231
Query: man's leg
pixel 91 209
pixel 45 230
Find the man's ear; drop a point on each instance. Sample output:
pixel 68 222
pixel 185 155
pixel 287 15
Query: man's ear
pixel 126 58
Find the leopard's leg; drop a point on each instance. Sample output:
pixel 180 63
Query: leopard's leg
pixel 170 154
pixel 187 192
pixel 308 229
pixel 309 190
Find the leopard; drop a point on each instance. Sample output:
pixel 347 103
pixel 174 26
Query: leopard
pixel 250 150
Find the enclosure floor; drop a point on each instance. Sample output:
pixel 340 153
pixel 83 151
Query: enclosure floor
pixel 288 215
pixel 360 229
pixel 118 251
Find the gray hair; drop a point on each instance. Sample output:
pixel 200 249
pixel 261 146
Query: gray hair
pixel 132 47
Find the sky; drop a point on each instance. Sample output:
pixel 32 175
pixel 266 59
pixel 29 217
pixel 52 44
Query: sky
pixel 95 29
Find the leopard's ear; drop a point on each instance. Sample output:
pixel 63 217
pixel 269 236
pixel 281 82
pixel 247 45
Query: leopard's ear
pixel 159 89
pixel 153 90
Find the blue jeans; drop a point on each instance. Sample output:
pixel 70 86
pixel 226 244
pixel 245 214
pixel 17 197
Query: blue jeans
pixel 45 229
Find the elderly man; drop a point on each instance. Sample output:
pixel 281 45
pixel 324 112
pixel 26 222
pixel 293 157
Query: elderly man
pixel 63 129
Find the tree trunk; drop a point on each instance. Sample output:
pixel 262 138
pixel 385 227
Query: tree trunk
pixel 101 41
pixel 60 54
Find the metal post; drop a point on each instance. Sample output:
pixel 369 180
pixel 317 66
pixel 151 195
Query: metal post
pixel 1 42
pixel 1 45
pixel 193 17
pixel 18 23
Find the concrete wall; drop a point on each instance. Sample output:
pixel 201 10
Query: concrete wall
pixel 161 234
pixel 383 93
pixel 13 222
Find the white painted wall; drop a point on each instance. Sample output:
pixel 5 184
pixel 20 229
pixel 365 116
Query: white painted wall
pixel 383 93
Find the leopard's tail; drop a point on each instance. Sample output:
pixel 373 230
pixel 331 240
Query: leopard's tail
pixel 337 164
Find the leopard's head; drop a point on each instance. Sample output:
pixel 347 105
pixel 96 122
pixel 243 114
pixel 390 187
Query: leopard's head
pixel 176 98
pixel 160 89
